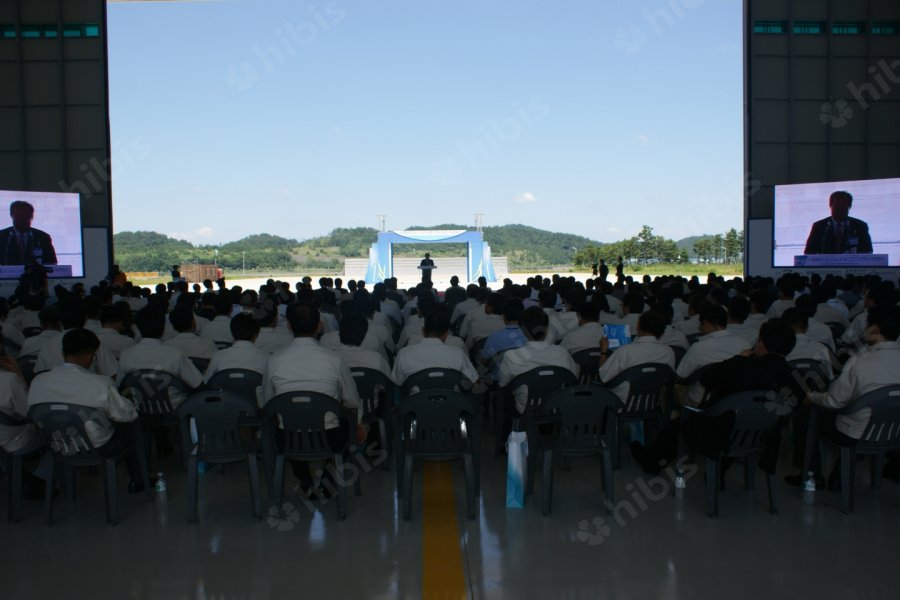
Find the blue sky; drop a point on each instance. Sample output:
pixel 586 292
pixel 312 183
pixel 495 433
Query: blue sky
pixel 293 118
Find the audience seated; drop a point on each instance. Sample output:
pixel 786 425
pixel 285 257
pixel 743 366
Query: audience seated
pixel 432 352
pixel 182 319
pixel 645 349
pixel 242 354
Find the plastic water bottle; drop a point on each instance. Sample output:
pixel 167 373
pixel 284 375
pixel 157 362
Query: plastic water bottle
pixel 201 467
pixel 809 488
pixel 160 486
pixel 680 482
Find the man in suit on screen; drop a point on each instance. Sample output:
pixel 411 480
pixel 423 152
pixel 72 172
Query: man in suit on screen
pixel 839 233
pixel 21 244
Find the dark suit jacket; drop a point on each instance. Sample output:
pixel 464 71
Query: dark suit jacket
pixel 821 238
pixel 39 247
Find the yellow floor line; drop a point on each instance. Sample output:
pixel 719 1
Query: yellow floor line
pixel 443 575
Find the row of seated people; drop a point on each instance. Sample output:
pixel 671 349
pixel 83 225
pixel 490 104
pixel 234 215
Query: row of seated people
pixel 300 363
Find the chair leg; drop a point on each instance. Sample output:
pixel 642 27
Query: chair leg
pixel 278 482
pixel 712 487
pixel 407 487
pixel 69 483
pixel 385 441
pixel 530 468
pixel 469 470
pixel 14 473
pixel 48 493
pixel 852 479
pixel 751 463
pixel 341 489
pixel 877 470
pixel 547 487
pixel 846 478
pixel 112 494
pixel 192 483
pixel 615 444
pixel 357 484
pixel 609 483
pixel 770 484
pixel 141 449
pixel 255 495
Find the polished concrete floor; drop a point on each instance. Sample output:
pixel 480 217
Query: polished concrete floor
pixel 656 547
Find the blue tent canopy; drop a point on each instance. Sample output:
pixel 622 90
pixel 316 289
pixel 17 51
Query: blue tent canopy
pixel 381 254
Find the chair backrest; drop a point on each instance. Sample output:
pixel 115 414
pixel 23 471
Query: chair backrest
pixel 475 351
pixel 200 363
pixel 882 434
pixel 242 382
pixel 757 414
pixel 588 365
pixel 302 415
pixel 31 331
pixel 433 379
pixel 64 426
pixel 541 382
pixel 586 415
pixel 223 345
pixel 217 417
pixel 837 330
pixel 457 325
pixel 646 385
pixel 679 353
pixel 150 390
pixel 810 375
pixel 436 422
pixel 26 365
pixel 374 388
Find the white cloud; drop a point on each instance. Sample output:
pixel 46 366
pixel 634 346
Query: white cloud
pixel 643 138
pixel 526 198
pixel 283 190
pixel 614 230
pixel 201 235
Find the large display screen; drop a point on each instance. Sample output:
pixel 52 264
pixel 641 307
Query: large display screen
pixel 43 228
pixel 839 224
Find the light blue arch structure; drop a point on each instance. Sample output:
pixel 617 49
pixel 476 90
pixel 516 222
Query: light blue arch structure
pixel 381 254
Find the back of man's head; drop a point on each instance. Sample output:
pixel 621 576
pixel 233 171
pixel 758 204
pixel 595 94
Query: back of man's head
pixel 738 309
pixel 634 302
pixel 223 305
pixel 496 302
pixel 151 322
pixel 547 298
pixel 71 313
pixel 512 309
pixel 760 301
pixel 714 315
pixel 437 324
pixel 182 319
pixel 797 319
pixel 589 311
pixel 354 327
pixel 79 343
pixel 534 323
pixel 777 336
pixel 112 313
pixel 652 323
pixel 49 317
pixel 303 319
pixel 472 290
pixel 887 319
pixel 244 327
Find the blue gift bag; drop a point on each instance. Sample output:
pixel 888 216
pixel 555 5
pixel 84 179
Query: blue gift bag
pixel 516 457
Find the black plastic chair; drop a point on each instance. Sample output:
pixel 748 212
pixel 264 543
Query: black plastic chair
pixel 26 365
pixel 457 325
pixel 758 415
pixel 588 365
pixel 375 391
pixel 837 330
pixel 223 345
pixel 432 379
pixel 880 436
pixel 63 424
pixel 242 382
pixel 584 419
pixel 540 383
pixel 812 375
pixel 14 469
pixel 679 353
pixel 150 391
pixel 218 418
pixel 438 425
pixel 300 418
pixel 649 394
pixel 31 331
pixel 475 351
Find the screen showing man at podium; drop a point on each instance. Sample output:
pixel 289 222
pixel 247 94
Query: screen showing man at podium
pixel 426 266
pixel 44 234
pixel 813 226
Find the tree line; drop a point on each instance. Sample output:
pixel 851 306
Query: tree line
pixel 648 248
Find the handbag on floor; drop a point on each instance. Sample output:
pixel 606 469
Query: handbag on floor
pixel 516 455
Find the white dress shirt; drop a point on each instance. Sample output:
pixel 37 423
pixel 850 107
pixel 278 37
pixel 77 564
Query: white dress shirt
pixel 809 349
pixel 14 403
pixel 273 339
pixel 778 307
pixel 372 342
pixel 531 356
pixel 463 308
pixel 690 326
pixel 481 328
pixel 151 353
pixel 51 355
pixel 432 353
pixel 71 384
pixel 413 326
pixel 821 333
pixel 355 357
pixel 240 355
pixel 673 337
pixel 644 350
pixel 12 333
pixel 451 340
pixel 34 344
pixel 856 331
pixel 586 337
pixel 218 330
pixel 709 349
pixel 863 373
pixel 114 341
pixel 304 366
pixel 192 345
pixel 750 333
pixel 471 316
pixel 829 313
